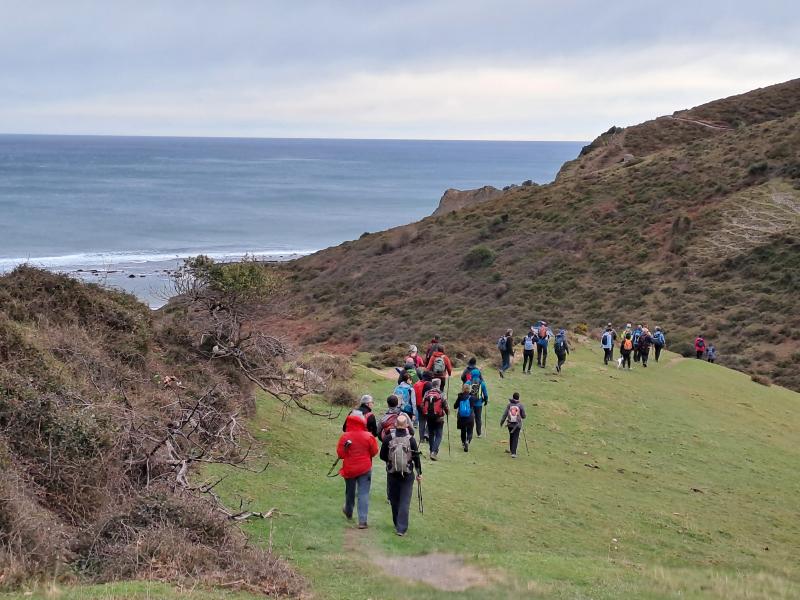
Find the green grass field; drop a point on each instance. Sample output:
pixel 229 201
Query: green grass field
pixel 690 491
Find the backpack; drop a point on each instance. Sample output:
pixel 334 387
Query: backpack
pixel 404 395
pixel 700 343
pixel 399 455
pixel 475 383
pixel 439 365
pixel 514 415
pixel 432 404
pixel 636 335
pixel 659 338
pixel 561 344
pixel 542 332
pixel 606 341
pixel 390 420
pixel 627 344
pixel 465 407
pixel 413 372
pixel 502 344
pixel 529 341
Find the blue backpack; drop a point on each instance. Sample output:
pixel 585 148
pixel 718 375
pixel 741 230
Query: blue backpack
pixel 465 407
pixel 403 394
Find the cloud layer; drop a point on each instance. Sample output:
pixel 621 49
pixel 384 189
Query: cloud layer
pixel 452 70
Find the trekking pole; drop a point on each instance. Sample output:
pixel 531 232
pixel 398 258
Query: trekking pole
pixel 333 466
pixel 419 496
pixel 525 437
pixel 447 418
pixel 485 420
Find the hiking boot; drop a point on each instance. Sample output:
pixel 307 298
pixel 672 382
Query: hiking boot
pixel 466 447
pixel 513 456
pixel 558 369
pixel 501 373
pixel 480 435
pixel 400 533
pixel 363 526
pixel 348 517
pixel 433 456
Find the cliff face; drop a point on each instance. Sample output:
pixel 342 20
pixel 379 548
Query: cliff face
pixel 454 199
pixel 698 231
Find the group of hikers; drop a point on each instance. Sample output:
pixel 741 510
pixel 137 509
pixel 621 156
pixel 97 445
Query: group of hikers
pixel 418 407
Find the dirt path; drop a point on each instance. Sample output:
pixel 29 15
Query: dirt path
pixel 702 123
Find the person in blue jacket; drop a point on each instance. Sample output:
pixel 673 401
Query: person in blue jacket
pixel 479 395
pixel 659 341
pixel 637 333
pixel 543 335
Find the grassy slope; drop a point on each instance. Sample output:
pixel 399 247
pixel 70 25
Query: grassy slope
pixel 659 239
pixel 544 524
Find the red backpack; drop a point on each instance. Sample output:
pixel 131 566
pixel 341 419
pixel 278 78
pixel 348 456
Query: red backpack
pixel 432 404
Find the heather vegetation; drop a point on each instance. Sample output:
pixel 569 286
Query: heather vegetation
pixel 691 222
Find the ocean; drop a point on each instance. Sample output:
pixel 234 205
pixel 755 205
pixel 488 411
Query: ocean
pixel 123 211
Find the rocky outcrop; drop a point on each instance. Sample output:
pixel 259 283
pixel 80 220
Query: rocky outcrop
pixel 457 199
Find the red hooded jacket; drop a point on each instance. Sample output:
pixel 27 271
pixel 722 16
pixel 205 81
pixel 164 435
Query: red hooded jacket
pixel 357 458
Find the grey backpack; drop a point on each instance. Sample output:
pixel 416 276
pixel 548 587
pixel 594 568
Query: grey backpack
pixel 399 455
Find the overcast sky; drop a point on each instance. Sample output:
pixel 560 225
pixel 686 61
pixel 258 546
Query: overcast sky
pixel 460 69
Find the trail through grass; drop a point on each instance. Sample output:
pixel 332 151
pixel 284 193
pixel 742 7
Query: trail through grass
pixel 679 480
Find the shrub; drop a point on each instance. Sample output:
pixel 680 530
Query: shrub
pixel 760 379
pixel 582 328
pixel 341 395
pixel 759 168
pixel 479 257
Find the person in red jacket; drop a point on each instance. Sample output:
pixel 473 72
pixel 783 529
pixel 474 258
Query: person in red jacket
pixel 356 448
pixel 441 369
pixel 699 346
pixel 422 386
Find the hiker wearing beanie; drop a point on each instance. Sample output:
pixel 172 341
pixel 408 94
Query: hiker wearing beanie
pixel 561 348
pixel 607 344
pixel 439 363
pixel 414 357
pixel 401 454
pixel 435 410
pixel 466 415
pixel 506 347
pixel 364 409
pixel 420 389
pixel 513 416
pixel 478 393
pixel 356 448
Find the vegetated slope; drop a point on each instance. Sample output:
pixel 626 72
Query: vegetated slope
pixel 103 406
pixel 698 232
pixel 678 480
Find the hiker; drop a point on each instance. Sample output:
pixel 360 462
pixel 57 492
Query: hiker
pixel 543 335
pixel 625 350
pixel 636 334
pixel 390 417
pixel 414 357
pixel 613 339
pixel 506 347
pixel 711 353
pixel 401 454
pixel 479 393
pixel 408 402
pixel 528 347
pixel 420 388
pixel 434 342
pixel 356 448
pixel 435 410
pixel 659 341
pixel 365 409
pixel 472 363
pixel 440 365
pixel 699 346
pixel 645 341
pixel 513 416
pixel 607 344
pixel 561 348
pixel 466 415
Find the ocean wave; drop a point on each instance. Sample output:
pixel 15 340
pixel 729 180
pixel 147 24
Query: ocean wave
pixel 120 259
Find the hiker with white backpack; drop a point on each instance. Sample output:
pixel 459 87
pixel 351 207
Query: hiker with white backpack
pixel 513 416
pixel 528 349
pixel 607 344
pixel 401 454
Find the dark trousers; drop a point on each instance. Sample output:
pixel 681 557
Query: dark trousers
pixel 362 483
pixel 505 360
pixel 626 358
pixel 435 430
pixel 541 355
pixel 400 491
pixel 527 360
pixel 466 426
pixel 478 410
pixel 644 354
pixel 636 355
pixel 699 353
pixel 608 355
pixel 658 351
pixel 513 439
pixel 422 425
pixel 562 358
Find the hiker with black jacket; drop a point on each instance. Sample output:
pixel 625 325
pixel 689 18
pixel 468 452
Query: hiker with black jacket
pixel 625 350
pixel 506 346
pixel 561 348
pixel 401 454
pixel 365 410
pixel 513 415
pixel 466 415
pixel 645 341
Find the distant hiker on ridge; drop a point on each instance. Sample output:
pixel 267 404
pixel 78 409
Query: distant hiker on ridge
pixel 711 353
pixel 659 341
pixel 513 415
pixel 356 448
pixel 506 347
pixel 401 454
pixel 699 346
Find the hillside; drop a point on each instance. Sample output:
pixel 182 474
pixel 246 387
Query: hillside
pixel 675 481
pixel 690 221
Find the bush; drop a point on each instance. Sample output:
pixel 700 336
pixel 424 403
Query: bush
pixel 582 328
pixel 479 257
pixel 341 395
pixel 760 379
